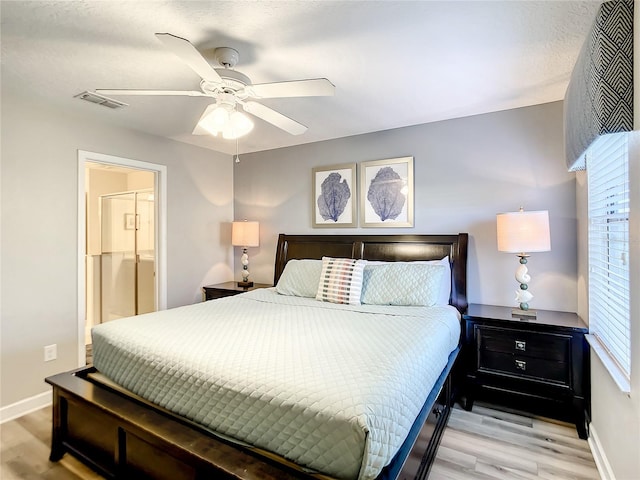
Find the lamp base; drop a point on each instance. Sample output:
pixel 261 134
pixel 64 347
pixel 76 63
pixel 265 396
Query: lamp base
pixel 245 284
pixel 518 312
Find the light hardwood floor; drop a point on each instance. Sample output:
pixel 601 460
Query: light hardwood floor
pixel 24 451
pixel 490 444
pixel 485 444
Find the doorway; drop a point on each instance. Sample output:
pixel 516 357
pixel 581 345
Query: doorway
pixel 121 241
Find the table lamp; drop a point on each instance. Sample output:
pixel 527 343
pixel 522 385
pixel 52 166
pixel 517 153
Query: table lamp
pixel 521 232
pixel 245 234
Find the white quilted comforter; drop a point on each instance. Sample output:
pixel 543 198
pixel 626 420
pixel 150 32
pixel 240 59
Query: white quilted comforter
pixel 333 388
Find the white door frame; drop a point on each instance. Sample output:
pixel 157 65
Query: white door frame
pixel 160 232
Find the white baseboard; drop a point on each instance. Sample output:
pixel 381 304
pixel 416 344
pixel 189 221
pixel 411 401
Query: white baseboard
pixel 600 457
pixel 23 407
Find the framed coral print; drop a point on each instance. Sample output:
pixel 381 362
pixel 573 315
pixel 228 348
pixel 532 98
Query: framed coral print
pixel 386 193
pixel 334 196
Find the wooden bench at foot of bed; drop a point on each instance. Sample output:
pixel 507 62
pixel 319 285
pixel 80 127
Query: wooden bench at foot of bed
pixel 121 435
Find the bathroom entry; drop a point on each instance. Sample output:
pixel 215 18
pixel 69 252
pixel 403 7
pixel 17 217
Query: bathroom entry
pixel 120 243
pixel 127 257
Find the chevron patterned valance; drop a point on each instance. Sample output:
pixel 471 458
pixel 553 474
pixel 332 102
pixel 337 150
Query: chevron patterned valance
pixel 599 99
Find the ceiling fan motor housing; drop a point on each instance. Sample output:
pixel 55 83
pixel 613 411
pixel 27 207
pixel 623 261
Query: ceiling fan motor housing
pixel 232 82
pixel 227 100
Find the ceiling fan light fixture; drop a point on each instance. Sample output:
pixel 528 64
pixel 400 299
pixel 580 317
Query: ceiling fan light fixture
pixel 218 118
pixel 223 117
pixel 214 121
pixel 238 126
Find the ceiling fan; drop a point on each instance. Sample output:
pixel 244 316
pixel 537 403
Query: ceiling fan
pixel 230 89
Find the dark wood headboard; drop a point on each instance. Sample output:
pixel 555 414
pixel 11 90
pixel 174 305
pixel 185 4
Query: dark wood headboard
pixel 384 248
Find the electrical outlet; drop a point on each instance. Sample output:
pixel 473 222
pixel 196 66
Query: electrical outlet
pixel 50 352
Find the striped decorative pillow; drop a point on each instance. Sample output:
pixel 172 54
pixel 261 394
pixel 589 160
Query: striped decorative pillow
pixel 341 280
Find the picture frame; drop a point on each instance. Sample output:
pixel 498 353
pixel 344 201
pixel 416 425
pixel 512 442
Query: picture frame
pixel 386 193
pixel 334 197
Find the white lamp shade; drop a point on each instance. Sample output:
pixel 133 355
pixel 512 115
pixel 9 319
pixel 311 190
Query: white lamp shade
pixel 245 234
pixel 521 232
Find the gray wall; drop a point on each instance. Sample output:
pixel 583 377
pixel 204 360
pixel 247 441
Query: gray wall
pixel 39 230
pixel 466 170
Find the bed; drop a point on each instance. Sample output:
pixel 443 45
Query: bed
pixel 274 413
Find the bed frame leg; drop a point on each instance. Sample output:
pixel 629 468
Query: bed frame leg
pixel 57 447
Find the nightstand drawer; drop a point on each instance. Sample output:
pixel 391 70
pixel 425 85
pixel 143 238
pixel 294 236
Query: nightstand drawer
pixel 545 346
pixel 521 366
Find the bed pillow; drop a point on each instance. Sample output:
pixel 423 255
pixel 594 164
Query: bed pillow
pixel 445 284
pixel 300 278
pixel 341 280
pixel 402 283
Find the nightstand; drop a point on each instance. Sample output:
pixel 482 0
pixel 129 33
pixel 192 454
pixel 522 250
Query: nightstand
pixel 228 289
pixel 537 365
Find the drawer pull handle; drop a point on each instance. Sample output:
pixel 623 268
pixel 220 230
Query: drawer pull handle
pixel 520 345
pixel 520 365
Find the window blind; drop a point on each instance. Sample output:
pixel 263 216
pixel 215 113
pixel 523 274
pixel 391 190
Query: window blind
pixel 608 198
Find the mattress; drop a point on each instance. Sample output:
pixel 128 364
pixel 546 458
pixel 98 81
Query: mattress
pixel 333 388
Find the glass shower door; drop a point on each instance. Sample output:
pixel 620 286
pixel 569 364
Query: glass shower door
pixel 128 254
pixel 118 234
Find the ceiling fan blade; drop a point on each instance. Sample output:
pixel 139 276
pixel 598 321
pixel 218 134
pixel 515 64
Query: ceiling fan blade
pixel 189 55
pixel 316 87
pixel 188 93
pixel 269 115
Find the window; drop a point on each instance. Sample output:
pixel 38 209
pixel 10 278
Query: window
pixel 609 307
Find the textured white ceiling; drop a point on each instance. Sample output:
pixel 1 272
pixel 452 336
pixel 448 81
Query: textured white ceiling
pixel 394 63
